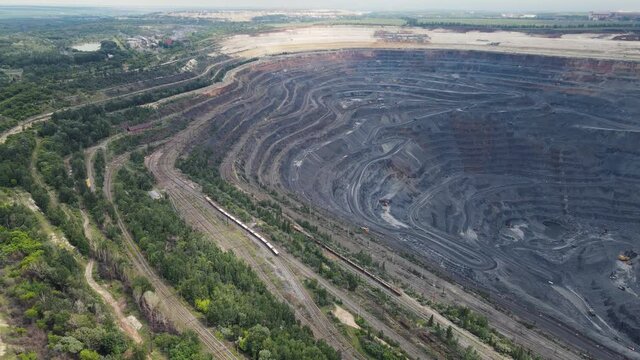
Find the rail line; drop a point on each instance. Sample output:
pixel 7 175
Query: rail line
pixel 350 262
pixel 184 192
pixel 242 225
pixel 179 315
pixel 353 264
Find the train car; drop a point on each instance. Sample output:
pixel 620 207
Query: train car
pixel 243 226
pixel 359 268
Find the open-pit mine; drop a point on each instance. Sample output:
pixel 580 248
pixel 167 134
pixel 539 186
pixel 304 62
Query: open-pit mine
pixel 319 184
pixel 515 174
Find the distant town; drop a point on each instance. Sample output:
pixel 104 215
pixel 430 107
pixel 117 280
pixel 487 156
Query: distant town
pixel 614 16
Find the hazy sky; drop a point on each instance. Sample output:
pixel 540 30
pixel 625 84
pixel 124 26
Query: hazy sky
pixel 512 5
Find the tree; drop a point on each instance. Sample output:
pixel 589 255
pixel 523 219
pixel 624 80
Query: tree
pixel 252 342
pixel 352 281
pixel 69 344
pixel 139 353
pixel 31 355
pixel 87 354
pixel 31 314
pixel 430 322
pixel 202 305
pixel 265 355
pixel 470 354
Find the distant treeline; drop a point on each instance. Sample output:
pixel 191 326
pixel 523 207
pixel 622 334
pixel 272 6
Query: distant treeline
pixel 514 25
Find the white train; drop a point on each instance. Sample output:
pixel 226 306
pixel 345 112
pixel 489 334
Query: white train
pixel 242 225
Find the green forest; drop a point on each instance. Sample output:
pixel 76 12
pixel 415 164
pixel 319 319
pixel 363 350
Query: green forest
pixel 54 309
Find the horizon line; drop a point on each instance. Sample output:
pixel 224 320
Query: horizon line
pixel 293 8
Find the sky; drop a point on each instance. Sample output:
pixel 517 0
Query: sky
pixel 376 5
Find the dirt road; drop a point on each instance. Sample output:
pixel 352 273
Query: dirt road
pixel 89 155
pixel 23 125
pixel 123 323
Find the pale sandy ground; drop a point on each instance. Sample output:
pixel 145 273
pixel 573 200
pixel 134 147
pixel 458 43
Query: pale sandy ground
pixel 3 346
pixel 248 15
pixel 315 38
pixel 345 317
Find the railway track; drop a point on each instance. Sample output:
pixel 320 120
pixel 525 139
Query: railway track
pixel 252 232
pixel 200 219
pixel 308 312
pixel 394 290
pixel 174 309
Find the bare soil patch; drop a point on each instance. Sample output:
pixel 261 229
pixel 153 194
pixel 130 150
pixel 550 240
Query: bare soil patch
pixel 315 38
pixel 345 317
